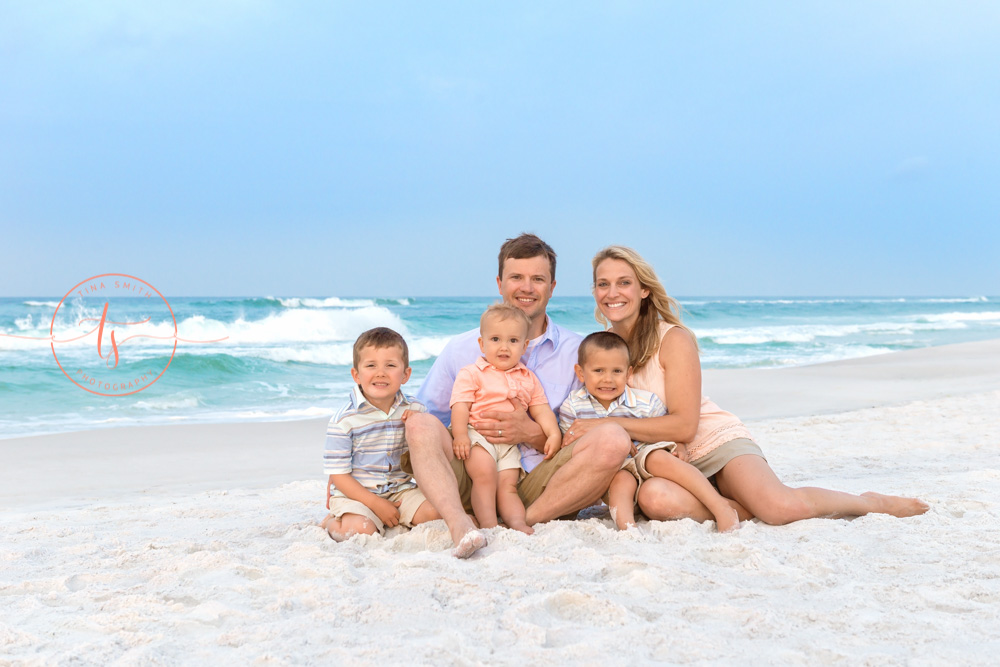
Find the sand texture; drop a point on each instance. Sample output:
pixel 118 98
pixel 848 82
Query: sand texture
pixel 175 575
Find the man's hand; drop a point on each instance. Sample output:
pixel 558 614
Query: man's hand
pixel 578 429
pixel 462 446
pixel 507 428
pixel 387 511
pixel 681 452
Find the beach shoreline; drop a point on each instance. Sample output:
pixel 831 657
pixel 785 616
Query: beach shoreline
pixel 72 469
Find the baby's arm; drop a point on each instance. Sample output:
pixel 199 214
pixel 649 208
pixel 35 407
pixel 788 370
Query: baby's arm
pixel 384 509
pixel 460 430
pixel 546 419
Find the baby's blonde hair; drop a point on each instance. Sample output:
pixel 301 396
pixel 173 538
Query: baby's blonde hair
pixel 504 311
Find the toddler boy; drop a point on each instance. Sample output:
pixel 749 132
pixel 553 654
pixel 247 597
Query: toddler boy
pixel 367 490
pixel 603 367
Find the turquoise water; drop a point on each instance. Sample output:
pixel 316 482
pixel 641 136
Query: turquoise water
pixel 286 358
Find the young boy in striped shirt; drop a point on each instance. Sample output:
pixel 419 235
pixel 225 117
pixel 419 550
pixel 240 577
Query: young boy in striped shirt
pixel 603 367
pixel 367 489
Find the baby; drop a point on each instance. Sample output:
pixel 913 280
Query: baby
pixel 498 381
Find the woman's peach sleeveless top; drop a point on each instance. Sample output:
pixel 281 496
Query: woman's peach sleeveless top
pixel 716 426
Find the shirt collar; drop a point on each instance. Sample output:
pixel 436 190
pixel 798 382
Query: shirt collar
pixel 627 399
pixel 482 365
pixel 358 400
pixel 551 333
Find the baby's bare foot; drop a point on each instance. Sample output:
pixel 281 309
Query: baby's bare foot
pixel 472 542
pixel 523 527
pixel 896 505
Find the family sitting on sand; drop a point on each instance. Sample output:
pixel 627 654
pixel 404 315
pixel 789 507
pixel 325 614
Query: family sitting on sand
pixel 633 427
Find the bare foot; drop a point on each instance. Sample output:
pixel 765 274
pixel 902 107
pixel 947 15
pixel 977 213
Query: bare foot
pixel 727 520
pixel 523 527
pixel 333 528
pixel 623 518
pixel 472 542
pixel 896 505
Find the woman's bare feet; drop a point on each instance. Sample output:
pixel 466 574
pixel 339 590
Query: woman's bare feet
pixel 896 505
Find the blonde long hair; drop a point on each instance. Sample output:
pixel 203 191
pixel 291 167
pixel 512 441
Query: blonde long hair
pixel 644 339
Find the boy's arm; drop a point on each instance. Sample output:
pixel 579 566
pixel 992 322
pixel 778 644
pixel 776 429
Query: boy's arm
pixel 460 430
pixel 567 414
pixel 384 509
pixel 546 420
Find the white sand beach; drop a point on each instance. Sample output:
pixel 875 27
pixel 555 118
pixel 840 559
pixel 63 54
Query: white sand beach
pixel 199 544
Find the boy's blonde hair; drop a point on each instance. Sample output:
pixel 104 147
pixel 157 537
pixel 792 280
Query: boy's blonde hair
pixel 378 338
pixel 504 311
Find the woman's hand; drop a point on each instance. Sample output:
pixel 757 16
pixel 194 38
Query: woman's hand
pixel 578 429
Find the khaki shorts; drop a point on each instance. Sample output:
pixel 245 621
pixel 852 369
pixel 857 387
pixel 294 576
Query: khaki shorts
pixel 506 456
pixel 716 460
pixel 636 465
pixel 409 501
pixel 529 488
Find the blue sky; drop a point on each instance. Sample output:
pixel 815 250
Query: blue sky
pixel 288 148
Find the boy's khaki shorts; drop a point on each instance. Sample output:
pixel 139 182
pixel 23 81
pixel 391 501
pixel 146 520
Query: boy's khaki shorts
pixel 636 466
pixel 506 456
pixel 409 501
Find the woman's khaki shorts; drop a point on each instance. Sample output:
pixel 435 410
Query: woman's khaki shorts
pixel 409 501
pixel 716 460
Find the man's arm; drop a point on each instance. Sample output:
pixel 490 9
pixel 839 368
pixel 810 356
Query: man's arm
pixel 435 390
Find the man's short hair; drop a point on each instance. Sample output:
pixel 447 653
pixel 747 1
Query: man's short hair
pixel 602 340
pixel 504 311
pixel 526 246
pixel 378 338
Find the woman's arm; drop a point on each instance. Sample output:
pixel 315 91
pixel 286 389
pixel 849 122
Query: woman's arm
pixel 682 391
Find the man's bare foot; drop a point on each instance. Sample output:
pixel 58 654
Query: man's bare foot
pixel 896 505
pixel 727 520
pixel 472 542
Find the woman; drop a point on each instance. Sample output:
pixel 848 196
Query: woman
pixel 665 361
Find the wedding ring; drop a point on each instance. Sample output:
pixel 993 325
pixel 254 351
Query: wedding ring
pixel 500 433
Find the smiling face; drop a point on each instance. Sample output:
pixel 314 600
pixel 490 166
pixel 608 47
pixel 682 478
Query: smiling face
pixel 380 373
pixel 528 284
pixel 604 373
pixel 503 341
pixel 618 293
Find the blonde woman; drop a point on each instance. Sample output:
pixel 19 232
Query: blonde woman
pixel 632 302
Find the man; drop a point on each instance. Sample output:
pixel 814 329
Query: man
pixel 577 476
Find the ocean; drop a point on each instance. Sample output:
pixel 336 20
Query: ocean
pixel 290 357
